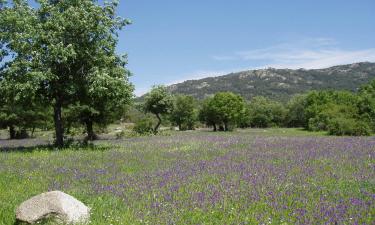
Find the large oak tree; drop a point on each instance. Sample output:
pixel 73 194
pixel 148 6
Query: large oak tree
pixel 69 48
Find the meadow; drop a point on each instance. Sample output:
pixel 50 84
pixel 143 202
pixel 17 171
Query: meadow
pixel 272 176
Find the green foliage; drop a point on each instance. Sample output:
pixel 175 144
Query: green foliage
pixel 366 104
pixel 109 93
pixel 330 111
pixel 225 110
pixel 348 126
pixel 296 111
pixel 207 115
pixel 135 113
pixel 68 49
pixel 144 126
pixel 184 113
pixel 264 112
pixel 321 106
pixel 158 102
pixel 338 112
pixel 20 107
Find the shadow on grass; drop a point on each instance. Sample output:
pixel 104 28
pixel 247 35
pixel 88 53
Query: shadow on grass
pixel 51 220
pixel 75 146
pixel 27 149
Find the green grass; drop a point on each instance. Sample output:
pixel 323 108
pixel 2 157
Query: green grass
pixel 251 176
pixel 293 132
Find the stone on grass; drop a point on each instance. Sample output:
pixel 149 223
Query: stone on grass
pixel 55 205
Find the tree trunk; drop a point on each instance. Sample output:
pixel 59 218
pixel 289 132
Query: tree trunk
pixel 215 129
pixel 91 136
pixel 12 132
pixel 158 124
pixel 225 126
pixel 179 127
pixel 22 134
pixel 59 130
pixel 32 131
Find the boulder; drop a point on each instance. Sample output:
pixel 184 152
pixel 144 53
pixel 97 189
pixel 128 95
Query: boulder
pixel 55 205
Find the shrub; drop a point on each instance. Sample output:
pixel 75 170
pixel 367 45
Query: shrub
pixel 317 123
pixel 75 131
pixel 321 106
pixel 120 134
pixel 143 126
pixel 331 111
pixel 348 126
pixel 260 120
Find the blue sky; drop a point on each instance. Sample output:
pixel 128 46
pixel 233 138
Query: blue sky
pixel 175 40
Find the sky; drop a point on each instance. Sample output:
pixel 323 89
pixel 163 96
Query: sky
pixel 170 41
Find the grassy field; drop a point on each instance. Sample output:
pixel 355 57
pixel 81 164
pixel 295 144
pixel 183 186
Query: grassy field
pixel 272 176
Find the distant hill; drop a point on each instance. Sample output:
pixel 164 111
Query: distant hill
pixel 280 84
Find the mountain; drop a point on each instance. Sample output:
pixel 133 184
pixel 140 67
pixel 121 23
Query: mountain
pixel 279 84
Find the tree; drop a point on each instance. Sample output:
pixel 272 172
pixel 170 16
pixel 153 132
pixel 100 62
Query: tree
pixel 20 108
pixel 158 102
pixel 331 111
pixel 321 106
pixel 264 112
pixel 184 113
pixel 108 94
pixel 208 115
pixel 296 111
pixel 366 103
pixel 348 126
pixel 69 46
pixel 225 109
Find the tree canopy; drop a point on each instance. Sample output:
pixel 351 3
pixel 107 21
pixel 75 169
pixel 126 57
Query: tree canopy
pixel 366 103
pixel 184 112
pixel 225 109
pixel 264 112
pixel 67 48
pixel 158 102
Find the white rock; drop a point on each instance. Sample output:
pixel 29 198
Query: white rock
pixel 54 204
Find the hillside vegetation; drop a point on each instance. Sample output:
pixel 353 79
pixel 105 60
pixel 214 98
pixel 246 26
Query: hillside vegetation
pixel 279 84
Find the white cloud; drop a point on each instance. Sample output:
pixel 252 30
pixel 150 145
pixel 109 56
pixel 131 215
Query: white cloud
pixel 307 53
pixel 325 59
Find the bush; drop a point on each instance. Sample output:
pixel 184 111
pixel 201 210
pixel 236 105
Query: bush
pixel 75 131
pixel 120 134
pixel 260 121
pixel 143 126
pixel 318 123
pixel 348 126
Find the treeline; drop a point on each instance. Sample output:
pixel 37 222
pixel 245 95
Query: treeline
pixel 337 112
